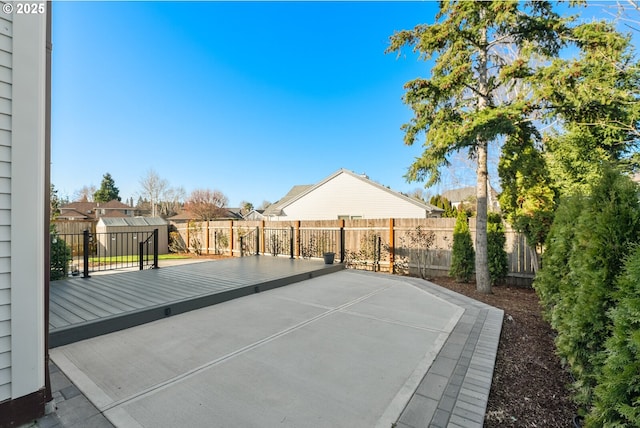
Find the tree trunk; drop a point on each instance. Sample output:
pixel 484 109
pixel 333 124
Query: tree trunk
pixel 483 280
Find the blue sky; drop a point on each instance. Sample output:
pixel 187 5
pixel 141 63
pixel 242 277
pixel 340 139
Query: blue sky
pixel 249 98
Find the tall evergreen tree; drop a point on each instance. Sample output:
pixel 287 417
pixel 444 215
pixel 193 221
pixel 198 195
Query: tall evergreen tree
pixel 107 191
pixel 589 103
pixel 459 107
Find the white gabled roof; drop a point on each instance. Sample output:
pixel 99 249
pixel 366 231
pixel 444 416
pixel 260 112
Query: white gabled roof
pixel 298 192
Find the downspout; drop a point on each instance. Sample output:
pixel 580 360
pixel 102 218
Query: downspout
pixel 48 396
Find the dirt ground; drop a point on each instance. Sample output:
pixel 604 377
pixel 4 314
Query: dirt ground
pixel 529 386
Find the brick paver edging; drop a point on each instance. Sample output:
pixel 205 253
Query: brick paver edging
pixel 455 390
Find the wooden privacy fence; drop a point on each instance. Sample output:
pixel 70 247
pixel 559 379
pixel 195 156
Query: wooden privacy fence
pixel 391 245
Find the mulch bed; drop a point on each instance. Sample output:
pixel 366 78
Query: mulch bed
pixel 530 387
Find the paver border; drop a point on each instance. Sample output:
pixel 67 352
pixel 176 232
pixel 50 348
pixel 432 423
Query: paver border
pixel 455 390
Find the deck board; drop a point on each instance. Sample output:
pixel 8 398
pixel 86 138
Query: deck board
pixel 81 308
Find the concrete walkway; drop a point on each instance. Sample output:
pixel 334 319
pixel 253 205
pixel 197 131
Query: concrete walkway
pixel 350 349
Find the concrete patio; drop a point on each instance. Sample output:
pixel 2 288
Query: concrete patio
pixel 349 349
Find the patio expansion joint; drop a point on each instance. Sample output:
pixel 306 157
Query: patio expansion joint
pixel 217 361
pixel 461 399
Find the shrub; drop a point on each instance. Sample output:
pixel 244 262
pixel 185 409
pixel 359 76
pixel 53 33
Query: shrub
pixel 608 225
pixel 618 391
pixel 496 239
pixel 195 229
pixel 413 250
pixel 176 243
pixel 60 258
pixel 462 254
pixel 553 281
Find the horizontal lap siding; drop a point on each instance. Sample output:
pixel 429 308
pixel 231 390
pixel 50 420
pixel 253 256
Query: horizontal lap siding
pixel 6 43
pixel 346 195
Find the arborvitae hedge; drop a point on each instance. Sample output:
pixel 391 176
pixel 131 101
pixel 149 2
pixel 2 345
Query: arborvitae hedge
pixel 496 240
pixel 463 255
pixel 553 282
pixel 617 394
pixel 607 227
pixel 578 286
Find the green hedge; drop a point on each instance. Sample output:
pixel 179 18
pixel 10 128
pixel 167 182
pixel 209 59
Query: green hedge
pixel 608 225
pixel 554 281
pixel 579 285
pixel 617 393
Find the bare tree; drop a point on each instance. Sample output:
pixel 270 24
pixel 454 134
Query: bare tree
pixel 172 200
pixel 206 204
pixel 85 194
pixel 264 205
pixel 153 187
pixel 420 193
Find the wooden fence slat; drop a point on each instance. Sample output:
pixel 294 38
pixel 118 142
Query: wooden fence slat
pixel 358 235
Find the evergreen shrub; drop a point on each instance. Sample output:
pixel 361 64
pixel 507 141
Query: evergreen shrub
pixel 553 282
pixel 463 255
pixel 608 225
pixel 496 240
pixel 617 395
pixel 60 258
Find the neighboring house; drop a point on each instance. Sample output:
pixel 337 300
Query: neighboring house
pixel 255 215
pixel 89 211
pixel 468 195
pixel 186 216
pixel 24 212
pixel 347 195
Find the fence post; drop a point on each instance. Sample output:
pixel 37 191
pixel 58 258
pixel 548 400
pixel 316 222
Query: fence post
pixel 342 241
pixel 188 232
pixel 291 238
pixel 257 241
pixel 141 255
pixel 231 238
pixel 262 226
pixel 297 238
pixel 241 246
pixel 207 237
pixel 155 247
pixel 379 253
pixel 85 248
pixel 215 242
pixel 392 246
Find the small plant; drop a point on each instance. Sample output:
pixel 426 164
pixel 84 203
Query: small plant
pixel 310 248
pixel 60 257
pixel 274 245
pixel 420 242
pixel 195 229
pixel 367 255
pixel 221 240
pixel 462 254
pixel 413 250
pixel 176 243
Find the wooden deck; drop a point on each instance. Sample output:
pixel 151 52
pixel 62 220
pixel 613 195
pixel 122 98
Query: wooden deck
pixel 84 308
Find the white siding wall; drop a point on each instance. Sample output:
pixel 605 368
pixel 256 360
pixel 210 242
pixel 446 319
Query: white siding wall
pixel 348 195
pixel 5 206
pixel 22 206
